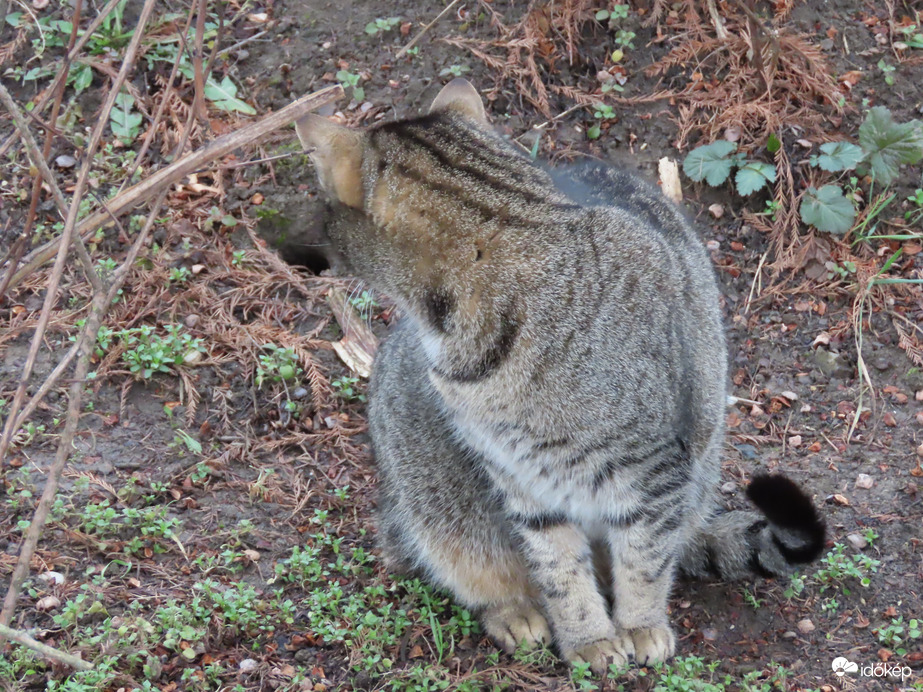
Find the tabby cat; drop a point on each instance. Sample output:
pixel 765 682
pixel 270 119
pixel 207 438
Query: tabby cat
pixel 548 415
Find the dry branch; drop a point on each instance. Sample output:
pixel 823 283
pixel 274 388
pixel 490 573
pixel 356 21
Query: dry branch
pixel 403 51
pixel 70 222
pixel 358 345
pixel 216 149
pixel 25 640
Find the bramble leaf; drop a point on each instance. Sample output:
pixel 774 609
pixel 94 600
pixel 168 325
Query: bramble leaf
pixel 753 176
pixel 224 96
pixel 125 124
pixel 827 209
pixel 838 156
pixel 888 144
pixel 710 162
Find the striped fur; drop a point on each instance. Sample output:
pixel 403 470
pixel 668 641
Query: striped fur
pixel 557 384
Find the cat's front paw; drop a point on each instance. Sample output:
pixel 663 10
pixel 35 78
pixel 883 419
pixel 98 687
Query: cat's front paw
pixel 602 653
pixel 515 624
pixel 651 644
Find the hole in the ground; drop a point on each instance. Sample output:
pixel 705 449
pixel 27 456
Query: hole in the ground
pixel 310 257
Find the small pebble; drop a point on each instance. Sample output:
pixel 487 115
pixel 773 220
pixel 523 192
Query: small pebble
pixel 791 396
pixel 65 161
pixel 48 603
pixel 52 578
pixel 716 210
pixel 192 357
pixel 300 393
pixel 191 321
pixel 729 488
pixel 856 541
pixel 748 451
pixel 805 626
pixel 713 245
pixel 710 634
pixel 247 665
pixel 864 481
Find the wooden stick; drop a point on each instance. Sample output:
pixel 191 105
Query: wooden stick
pixel 70 222
pixel 215 149
pixel 403 51
pixel 199 76
pixel 25 640
pixel 71 55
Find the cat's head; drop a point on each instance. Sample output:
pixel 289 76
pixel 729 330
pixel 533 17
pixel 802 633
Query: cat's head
pixel 418 205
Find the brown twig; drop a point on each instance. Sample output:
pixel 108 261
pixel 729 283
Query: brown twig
pixel 215 149
pixel 403 51
pixel 25 640
pixel 101 302
pixel 22 241
pixel 158 115
pixel 42 103
pixel 198 105
pixel 70 222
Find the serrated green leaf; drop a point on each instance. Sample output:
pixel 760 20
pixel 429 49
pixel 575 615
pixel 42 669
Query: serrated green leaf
pixel 224 96
pixel 827 209
pixel 753 176
pixel 888 144
pixel 773 144
pixel 710 162
pixel 123 122
pixel 838 156
pixel 83 77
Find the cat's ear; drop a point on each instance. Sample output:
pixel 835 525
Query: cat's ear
pixel 337 154
pixel 459 95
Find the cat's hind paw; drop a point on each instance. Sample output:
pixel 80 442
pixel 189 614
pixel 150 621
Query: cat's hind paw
pixel 516 624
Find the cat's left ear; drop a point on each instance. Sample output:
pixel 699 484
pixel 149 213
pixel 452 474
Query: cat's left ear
pixel 337 154
pixel 460 95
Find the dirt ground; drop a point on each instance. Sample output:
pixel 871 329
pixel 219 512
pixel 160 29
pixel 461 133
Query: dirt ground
pixel 214 528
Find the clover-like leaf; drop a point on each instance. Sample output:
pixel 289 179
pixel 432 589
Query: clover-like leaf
pixel 753 176
pixel 710 162
pixel 838 156
pixel 888 144
pixel 125 124
pixel 827 209
pixel 224 96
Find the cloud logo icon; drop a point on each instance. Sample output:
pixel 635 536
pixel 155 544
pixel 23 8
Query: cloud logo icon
pixel 842 665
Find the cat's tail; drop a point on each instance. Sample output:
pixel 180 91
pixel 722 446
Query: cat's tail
pixel 787 532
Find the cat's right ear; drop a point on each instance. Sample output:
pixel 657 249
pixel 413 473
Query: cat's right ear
pixel 460 95
pixel 337 154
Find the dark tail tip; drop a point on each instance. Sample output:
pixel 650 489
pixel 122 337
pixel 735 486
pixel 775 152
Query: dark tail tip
pixel 789 507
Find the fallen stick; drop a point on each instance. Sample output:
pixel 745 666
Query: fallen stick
pixel 74 662
pixel 358 345
pixel 70 223
pixel 147 188
pixel 403 51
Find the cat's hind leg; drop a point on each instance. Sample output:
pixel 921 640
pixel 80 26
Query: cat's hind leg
pixel 439 514
pixel 456 541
